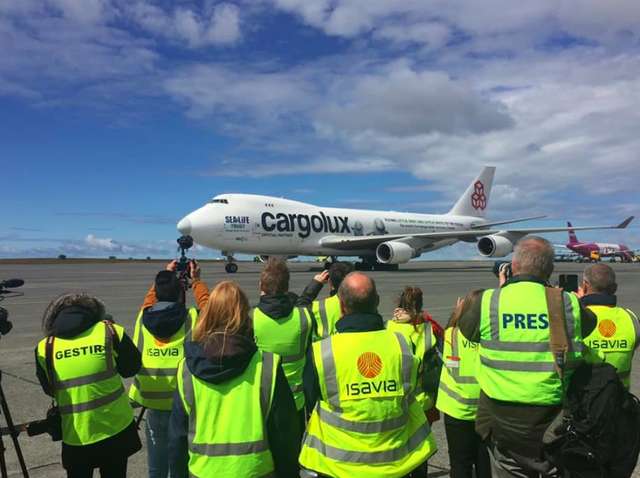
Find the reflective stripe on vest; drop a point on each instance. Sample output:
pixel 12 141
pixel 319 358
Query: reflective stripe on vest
pixel 459 392
pixel 153 386
pixel 614 339
pixel 93 406
pixel 213 458
pixel 381 433
pixel 327 312
pixel 287 337
pixel 515 354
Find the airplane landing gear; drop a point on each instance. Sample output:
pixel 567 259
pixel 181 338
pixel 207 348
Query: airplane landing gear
pixel 231 267
pixel 327 264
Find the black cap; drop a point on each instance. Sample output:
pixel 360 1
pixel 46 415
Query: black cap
pixel 168 287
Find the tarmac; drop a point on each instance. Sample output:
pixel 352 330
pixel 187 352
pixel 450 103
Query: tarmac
pixel 122 286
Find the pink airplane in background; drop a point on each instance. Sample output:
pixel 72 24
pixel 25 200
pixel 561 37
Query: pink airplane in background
pixel 586 249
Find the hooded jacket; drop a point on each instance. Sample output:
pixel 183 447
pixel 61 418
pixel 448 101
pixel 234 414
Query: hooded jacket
pixel 207 364
pixel 69 323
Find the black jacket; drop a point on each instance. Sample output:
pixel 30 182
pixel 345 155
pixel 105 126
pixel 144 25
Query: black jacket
pixel 280 305
pixel 519 426
pixel 352 323
pixel 69 323
pixel 283 429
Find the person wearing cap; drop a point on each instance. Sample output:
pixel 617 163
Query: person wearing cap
pixel 163 324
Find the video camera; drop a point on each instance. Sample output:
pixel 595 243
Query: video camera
pixel 5 286
pixel 184 275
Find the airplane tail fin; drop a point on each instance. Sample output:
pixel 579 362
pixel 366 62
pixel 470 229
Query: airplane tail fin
pixel 573 239
pixel 475 200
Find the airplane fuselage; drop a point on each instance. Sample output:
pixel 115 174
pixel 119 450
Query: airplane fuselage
pixel 603 249
pixel 253 224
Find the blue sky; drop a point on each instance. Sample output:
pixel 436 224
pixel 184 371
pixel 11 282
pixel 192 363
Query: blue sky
pixel 118 117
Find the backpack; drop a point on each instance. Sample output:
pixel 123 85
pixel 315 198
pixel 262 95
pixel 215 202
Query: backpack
pixel 597 434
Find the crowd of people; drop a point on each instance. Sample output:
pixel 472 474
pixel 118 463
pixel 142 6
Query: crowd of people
pixel 300 386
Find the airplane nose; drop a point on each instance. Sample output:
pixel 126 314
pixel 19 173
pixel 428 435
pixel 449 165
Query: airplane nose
pixel 184 226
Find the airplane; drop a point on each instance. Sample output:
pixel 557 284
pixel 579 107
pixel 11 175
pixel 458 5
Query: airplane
pixel 598 249
pixel 266 225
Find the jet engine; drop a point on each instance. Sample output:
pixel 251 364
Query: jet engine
pixel 495 246
pixel 394 252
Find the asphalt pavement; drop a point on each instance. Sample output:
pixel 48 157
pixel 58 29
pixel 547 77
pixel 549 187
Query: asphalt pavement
pixel 122 286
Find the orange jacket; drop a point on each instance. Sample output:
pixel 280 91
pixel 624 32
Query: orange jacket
pixel 200 294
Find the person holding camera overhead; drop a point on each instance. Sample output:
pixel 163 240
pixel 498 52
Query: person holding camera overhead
pixel 519 375
pixel 81 362
pixel 162 326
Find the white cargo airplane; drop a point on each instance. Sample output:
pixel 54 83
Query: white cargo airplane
pixel 267 225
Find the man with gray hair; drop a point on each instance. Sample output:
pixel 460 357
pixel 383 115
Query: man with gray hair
pixel 366 420
pixel 617 335
pixel 521 389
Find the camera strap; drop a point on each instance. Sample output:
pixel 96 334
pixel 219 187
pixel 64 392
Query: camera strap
pixel 48 357
pixel 115 340
pixel 558 338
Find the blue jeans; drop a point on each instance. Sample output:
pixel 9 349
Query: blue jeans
pixel 157 433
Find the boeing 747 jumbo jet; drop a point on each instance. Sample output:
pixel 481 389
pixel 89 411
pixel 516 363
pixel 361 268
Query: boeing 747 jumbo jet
pixel 266 225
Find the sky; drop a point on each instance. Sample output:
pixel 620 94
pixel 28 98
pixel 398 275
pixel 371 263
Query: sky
pixel 118 117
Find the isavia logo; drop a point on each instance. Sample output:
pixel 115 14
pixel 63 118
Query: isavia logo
pixel 304 224
pixel 369 364
pixel 607 328
pixel 478 198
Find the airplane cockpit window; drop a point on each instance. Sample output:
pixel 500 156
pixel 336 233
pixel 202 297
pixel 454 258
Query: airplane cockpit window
pixel 219 201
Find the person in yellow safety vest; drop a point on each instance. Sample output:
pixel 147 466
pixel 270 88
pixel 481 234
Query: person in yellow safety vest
pixel 366 421
pixel 233 415
pixel 80 363
pixel 162 325
pixel 282 324
pixel 521 390
pixel 326 312
pixel 617 334
pixel 409 319
pixel 458 399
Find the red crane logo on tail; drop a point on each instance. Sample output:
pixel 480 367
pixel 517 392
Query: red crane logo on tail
pixel 478 198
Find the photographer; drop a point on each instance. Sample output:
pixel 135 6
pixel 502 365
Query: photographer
pixel 521 389
pixel 616 337
pixel 81 362
pixel 162 326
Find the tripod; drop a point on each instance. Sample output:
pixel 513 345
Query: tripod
pixel 13 432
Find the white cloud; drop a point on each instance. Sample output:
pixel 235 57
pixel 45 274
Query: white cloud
pixel 218 25
pixel 402 102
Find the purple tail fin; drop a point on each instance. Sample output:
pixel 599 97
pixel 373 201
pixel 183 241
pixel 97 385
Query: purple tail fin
pixel 572 235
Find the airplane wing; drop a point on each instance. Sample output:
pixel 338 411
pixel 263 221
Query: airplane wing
pixel 363 242
pixel 511 221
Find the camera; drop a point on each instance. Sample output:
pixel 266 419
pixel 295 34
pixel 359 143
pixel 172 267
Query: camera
pixel 51 425
pixel 5 324
pixel 502 266
pixel 184 244
pixel 568 282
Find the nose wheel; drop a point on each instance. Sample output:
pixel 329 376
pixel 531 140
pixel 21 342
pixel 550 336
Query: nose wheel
pixel 231 267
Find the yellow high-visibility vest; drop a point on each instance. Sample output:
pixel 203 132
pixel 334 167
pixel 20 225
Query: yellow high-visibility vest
pixel 155 383
pixel 87 388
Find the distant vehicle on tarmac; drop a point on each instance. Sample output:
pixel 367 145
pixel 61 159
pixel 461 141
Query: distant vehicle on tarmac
pixel 595 251
pixel 266 225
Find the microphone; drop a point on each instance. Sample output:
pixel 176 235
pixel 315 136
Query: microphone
pixel 11 283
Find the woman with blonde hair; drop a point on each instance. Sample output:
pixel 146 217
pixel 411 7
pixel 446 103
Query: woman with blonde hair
pixel 233 414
